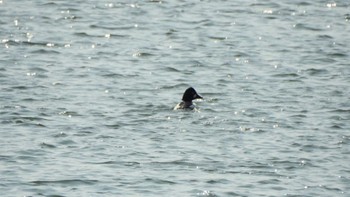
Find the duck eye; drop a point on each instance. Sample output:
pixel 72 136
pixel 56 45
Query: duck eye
pixel 195 96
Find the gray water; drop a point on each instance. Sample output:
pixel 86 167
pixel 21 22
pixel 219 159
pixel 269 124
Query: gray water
pixel 88 87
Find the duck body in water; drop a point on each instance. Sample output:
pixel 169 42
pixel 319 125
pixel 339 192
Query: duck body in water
pixel 187 98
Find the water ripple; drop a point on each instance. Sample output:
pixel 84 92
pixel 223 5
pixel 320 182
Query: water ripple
pixel 65 182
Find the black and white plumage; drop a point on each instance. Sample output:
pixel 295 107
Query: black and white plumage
pixel 187 98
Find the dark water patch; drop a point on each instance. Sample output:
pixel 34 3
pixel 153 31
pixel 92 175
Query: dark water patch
pixel 126 163
pixel 20 87
pixel 39 125
pixel 38 69
pixel 286 164
pixel 171 69
pixel 45 51
pixel 6 158
pixel 143 54
pixel 314 147
pixel 259 168
pixel 105 162
pixel 22 158
pixel 212 169
pixel 270 17
pixel 69 182
pixel 234 171
pixel 49 4
pixel 347 17
pixel 298 116
pixel 188 72
pixel 316 72
pixel 217 38
pixel 119 163
pixel 179 86
pixel 304 3
pixel 325 60
pixel 30 154
pixel 337 117
pixel 113 126
pixel 217 181
pixel 337 93
pixel 126 27
pixel 118 36
pixel 338 127
pixel 84 34
pixel 46 145
pixel 105 137
pixel 195 21
pixel 337 55
pixel 286 75
pixel 293 80
pixel 131 75
pixel 175 163
pixel 171 32
pixel 342 111
pixel 302 26
pixel 58 84
pixel 324 36
pixel 67 142
pixel 2 70
pixel 242 55
pixel 160 181
pixel 333 189
pixel 28 118
pixel 84 132
pixel 266 4
pixel 269 181
pixel 4 122
pixel 30 43
pixel 197 63
pixel 155 1
pixel 236 10
pixel 234 194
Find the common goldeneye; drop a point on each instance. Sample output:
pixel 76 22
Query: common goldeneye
pixel 189 95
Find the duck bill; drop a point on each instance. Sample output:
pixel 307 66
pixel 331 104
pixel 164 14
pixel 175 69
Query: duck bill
pixel 198 96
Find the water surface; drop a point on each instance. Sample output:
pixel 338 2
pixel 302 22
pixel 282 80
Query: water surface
pixel 88 87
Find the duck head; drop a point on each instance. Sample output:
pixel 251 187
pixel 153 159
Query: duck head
pixel 191 94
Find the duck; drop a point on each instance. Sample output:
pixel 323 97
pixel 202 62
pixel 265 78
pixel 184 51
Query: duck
pixel 189 95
